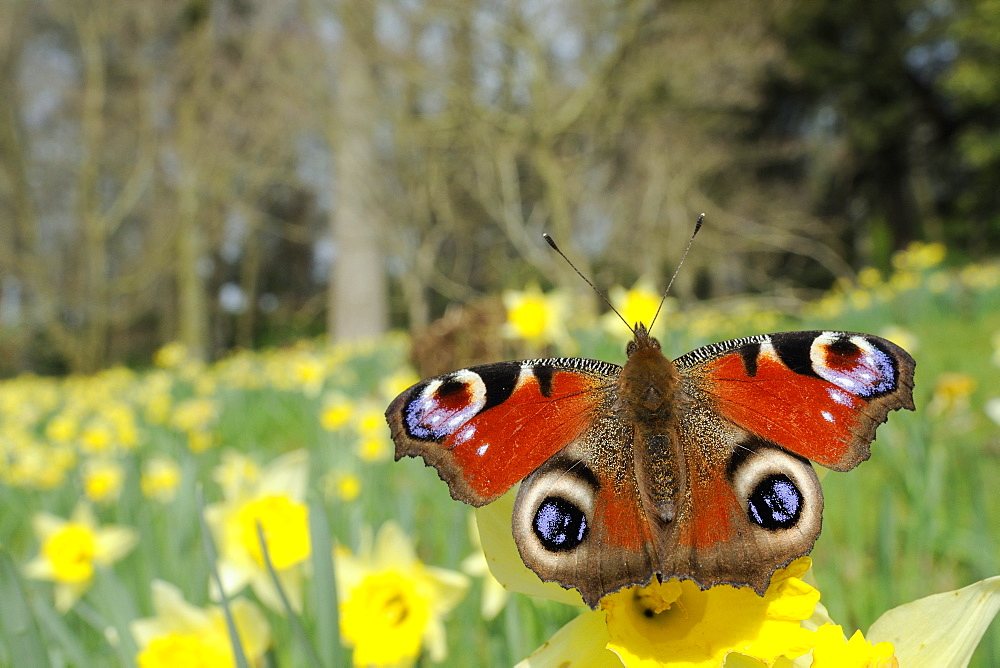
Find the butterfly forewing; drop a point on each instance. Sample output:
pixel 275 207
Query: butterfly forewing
pixel 487 427
pixel 819 394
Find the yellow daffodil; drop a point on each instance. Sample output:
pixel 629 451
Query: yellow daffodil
pixel 160 478
pixel 951 393
pixel 901 337
pixel 832 650
pixel 336 412
pixel 236 474
pixel 32 464
pixel 341 485
pixel 181 634
pixel 373 433
pixel 536 317
pixel 275 501
pixel 97 437
pixel 676 623
pixel 980 276
pixel 102 479
pixel 637 304
pixel 71 549
pixel 200 440
pixel 171 356
pixel 395 383
pixel 308 372
pixel 869 277
pixel 391 604
pixel 195 414
pixel 919 256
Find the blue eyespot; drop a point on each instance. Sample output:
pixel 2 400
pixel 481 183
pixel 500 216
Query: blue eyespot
pixel 559 525
pixel 776 503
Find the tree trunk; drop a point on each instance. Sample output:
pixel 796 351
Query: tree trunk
pixel 357 297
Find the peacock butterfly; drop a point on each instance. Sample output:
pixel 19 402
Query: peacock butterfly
pixel 694 468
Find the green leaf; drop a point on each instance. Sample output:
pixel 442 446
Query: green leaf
pixel 20 629
pixel 324 586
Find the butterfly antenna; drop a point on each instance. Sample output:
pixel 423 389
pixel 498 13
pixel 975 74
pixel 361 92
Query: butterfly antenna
pixel 697 226
pixel 579 273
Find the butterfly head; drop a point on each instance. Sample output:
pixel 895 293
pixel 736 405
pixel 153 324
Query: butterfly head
pixel 641 340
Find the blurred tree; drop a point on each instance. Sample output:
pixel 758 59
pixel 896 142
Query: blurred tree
pixel 229 172
pixel 895 136
pixel 357 305
pixel 974 37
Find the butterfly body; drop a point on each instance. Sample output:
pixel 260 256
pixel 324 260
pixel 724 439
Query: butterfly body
pixel 694 468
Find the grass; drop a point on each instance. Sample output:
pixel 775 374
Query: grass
pixel 922 516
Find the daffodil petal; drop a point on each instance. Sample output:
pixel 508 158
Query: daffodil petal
pixel 393 548
pixel 84 514
pixel 942 629
pixel 67 594
pixel 582 644
pixel 287 474
pixel 45 524
pixel 255 632
pixel 39 568
pixel 820 616
pixel 114 542
pixel 449 587
pixel 173 614
pixel 503 559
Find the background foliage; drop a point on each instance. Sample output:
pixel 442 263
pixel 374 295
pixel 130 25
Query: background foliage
pixel 237 173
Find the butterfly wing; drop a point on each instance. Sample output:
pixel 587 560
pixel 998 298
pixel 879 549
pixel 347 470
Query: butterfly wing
pixel 759 408
pixel 819 394
pixel 552 424
pixel 487 427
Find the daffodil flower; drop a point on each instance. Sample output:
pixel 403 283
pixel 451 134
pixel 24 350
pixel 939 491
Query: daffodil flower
pixel 160 478
pixel 391 604
pixel 72 549
pixel 374 442
pixel 637 304
pixel 674 623
pixel 181 634
pixel 102 479
pixel 536 317
pixel 275 501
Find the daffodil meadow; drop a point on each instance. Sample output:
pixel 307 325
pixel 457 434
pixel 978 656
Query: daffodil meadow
pixel 152 517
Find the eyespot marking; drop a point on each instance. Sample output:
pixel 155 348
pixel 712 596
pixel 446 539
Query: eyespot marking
pixel 853 363
pixel 775 503
pixel 559 524
pixel 443 405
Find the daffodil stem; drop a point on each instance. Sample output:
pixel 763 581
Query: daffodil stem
pixel 293 617
pixel 234 637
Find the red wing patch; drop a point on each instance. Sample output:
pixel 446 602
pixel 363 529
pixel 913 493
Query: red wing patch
pixel 806 415
pixel 714 510
pixel 818 394
pixel 486 428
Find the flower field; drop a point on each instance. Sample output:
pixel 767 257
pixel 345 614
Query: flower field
pixel 133 498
